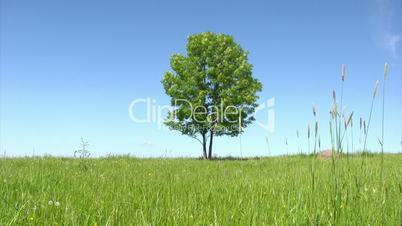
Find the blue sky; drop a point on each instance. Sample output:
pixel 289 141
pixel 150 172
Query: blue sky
pixel 70 69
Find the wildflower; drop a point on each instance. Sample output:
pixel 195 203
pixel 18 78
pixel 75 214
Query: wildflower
pixel 31 218
pixel 57 204
pixel 50 203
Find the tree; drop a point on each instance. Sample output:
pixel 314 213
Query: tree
pixel 212 90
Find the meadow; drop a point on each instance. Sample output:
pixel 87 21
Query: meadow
pixel 286 190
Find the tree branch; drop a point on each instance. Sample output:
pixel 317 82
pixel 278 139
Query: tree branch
pixel 197 139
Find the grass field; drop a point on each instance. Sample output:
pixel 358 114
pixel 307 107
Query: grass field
pixel 129 191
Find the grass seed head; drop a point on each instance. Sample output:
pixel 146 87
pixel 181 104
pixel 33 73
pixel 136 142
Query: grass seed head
pixel 319 142
pixel 308 131
pixel 350 120
pixel 314 111
pixel 364 127
pixel 375 89
pixel 334 96
pixel 334 111
pixel 385 71
pixel 343 72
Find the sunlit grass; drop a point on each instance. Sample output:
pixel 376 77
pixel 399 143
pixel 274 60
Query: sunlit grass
pixel 129 191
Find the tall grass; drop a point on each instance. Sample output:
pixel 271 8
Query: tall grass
pixel 336 119
pixel 382 141
pixel 315 129
pixel 339 125
pixel 308 137
pixel 129 191
pixel 383 111
pixel 371 112
pixel 351 131
pixel 341 115
pixel 360 132
pixel 347 123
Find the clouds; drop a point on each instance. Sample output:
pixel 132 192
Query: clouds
pixel 388 34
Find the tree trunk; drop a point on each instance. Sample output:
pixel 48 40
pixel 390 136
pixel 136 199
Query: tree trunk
pixel 204 145
pixel 210 144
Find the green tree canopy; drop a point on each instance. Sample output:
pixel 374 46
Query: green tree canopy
pixel 212 90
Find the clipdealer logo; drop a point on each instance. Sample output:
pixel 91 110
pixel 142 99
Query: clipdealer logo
pixel 148 111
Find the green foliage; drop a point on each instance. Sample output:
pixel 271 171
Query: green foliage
pixel 216 82
pixel 268 191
